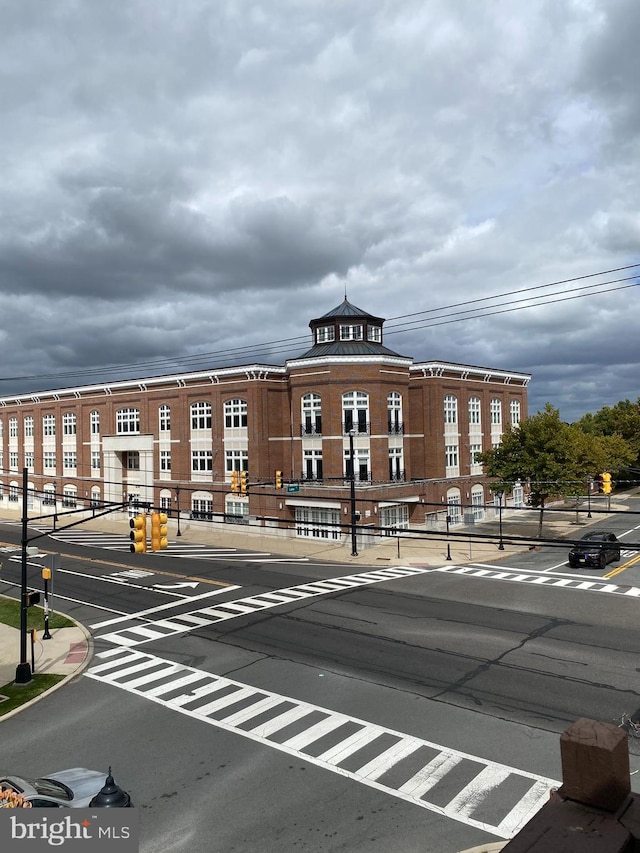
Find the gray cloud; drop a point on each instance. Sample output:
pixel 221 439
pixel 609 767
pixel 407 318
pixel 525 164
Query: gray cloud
pixel 184 178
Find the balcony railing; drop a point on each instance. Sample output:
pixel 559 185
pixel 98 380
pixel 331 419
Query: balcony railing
pixel 396 428
pixel 310 429
pixel 359 428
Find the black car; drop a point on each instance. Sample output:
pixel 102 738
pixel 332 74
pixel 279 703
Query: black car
pixel 595 549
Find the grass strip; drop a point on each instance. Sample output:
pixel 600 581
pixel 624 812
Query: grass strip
pixel 10 615
pixel 12 696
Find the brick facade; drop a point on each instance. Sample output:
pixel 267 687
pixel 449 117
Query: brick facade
pixel 408 420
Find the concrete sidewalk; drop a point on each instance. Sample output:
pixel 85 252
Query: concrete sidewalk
pixel 66 653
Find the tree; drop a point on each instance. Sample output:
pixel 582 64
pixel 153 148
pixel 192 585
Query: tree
pixel 551 457
pixel 621 420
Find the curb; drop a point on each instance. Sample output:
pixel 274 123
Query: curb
pixel 80 668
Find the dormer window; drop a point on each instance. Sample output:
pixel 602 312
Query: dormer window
pixel 350 333
pixel 324 334
pixel 374 333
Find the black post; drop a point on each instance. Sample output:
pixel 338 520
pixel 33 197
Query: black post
pixel 23 670
pixel 589 485
pixel 354 538
pixel 178 532
pixel 46 572
pixel 448 545
pixel 500 496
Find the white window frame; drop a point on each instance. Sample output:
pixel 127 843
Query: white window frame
pixel 164 418
pixel 127 421
pixel 235 414
pixel 69 424
pixel 200 415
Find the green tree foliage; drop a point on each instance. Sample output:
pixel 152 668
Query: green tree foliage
pixel 551 457
pixel 622 420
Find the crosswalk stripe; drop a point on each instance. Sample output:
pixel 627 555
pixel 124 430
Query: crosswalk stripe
pixel 215 700
pixel 222 611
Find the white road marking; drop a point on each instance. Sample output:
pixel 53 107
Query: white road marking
pixel 382 749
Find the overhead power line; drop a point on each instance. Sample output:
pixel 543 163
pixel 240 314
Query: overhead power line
pixel 485 306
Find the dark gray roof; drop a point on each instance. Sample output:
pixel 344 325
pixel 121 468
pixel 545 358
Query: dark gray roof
pixel 348 348
pixel 346 309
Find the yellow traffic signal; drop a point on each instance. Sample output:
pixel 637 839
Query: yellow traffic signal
pixel 278 479
pixel 159 531
pixel 235 481
pixel 244 481
pixel 606 483
pixel 138 534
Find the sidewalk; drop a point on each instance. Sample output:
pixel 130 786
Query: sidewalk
pixel 66 653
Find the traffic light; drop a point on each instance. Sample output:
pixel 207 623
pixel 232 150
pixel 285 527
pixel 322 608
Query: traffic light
pixel 159 531
pixel 244 481
pixel 606 483
pixel 278 479
pixel 138 534
pixel 235 482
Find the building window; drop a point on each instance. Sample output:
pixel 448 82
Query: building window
pixel 13 460
pixel 451 456
pixel 165 460
pixel 28 427
pixel 201 461
pixel 132 460
pixel 350 333
pixel 496 410
pixel 477 503
pixel 394 413
pixel 49 425
pixel 164 413
pixel 70 497
pixel 236 511
pixel 394 518
pixel 29 460
pixel 127 421
pixel 95 460
pixel 514 411
pixel 95 423
pixel 453 506
pixel 202 508
pixel 236 460
pixel 69 460
pixel 311 414
pixel 312 460
pixel 68 424
pixel 13 427
pixel 325 334
pixel 450 409
pixel 314 523
pixel 235 414
pixel 396 472
pixel 355 412
pixel 474 410
pixel 95 496
pixel 49 460
pixel 474 450
pixel 201 415
pixel 374 333
pixel 13 494
pixel 49 496
pixel 361 462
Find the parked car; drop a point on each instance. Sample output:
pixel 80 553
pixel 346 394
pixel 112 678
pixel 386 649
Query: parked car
pixel 595 549
pixel 74 788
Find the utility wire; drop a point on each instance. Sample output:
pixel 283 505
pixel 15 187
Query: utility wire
pixel 429 319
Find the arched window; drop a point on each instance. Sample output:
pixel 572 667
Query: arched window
pixel 394 413
pixel 450 409
pixel 95 423
pixel 474 410
pixel 496 411
pixel 200 415
pixel 355 412
pixel 235 414
pixel 312 414
pixel 164 416
pixel 514 412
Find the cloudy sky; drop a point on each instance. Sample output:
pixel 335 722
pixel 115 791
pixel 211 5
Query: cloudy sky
pixel 186 183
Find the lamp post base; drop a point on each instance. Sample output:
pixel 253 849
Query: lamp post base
pixel 23 673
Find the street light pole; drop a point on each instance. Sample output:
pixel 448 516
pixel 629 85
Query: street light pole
pixel 352 484
pixel 500 496
pixel 23 670
pixel 178 532
pixel 589 485
pixel 448 544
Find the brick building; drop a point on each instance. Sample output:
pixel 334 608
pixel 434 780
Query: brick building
pixel 349 431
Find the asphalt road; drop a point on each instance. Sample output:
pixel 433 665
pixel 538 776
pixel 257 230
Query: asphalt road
pixel 470 669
